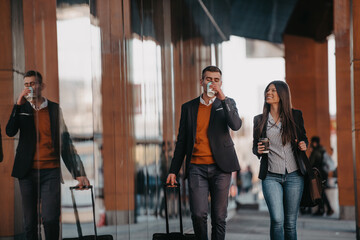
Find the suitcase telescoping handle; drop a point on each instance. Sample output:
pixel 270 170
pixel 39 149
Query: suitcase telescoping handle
pixel 78 226
pixel 176 185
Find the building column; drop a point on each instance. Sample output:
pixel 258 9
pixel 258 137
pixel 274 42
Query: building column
pixel 190 58
pixel 343 113
pixel 117 112
pixel 355 101
pixel 7 199
pixel 307 75
pixel 26 26
pixel 40 40
pixel 167 79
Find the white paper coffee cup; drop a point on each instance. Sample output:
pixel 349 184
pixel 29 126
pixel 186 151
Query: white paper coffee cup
pixel 210 92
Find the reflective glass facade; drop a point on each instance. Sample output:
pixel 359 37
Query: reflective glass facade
pixel 120 71
pixel 121 82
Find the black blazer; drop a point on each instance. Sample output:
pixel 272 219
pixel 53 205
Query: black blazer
pixel 224 115
pixel 300 132
pixel 1 149
pixel 22 119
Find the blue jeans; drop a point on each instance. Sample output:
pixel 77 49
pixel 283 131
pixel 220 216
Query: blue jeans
pixel 282 193
pixel 205 179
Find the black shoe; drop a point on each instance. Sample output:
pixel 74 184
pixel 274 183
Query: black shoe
pixel 319 213
pixel 330 212
pixel 305 210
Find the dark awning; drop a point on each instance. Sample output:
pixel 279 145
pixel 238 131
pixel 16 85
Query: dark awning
pixel 312 19
pixel 261 19
pixel 215 20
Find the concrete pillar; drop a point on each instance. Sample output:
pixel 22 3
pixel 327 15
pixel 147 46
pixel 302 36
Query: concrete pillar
pixel 7 206
pixel 343 106
pixel 117 112
pixel 307 75
pixel 355 101
pixel 40 38
pixel 27 41
pixel 167 79
pixel 190 57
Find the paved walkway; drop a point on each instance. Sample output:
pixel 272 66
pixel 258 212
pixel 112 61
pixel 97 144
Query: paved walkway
pixel 242 224
pixel 254 225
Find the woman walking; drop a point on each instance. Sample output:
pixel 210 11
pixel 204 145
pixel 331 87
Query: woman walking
pixel 281 170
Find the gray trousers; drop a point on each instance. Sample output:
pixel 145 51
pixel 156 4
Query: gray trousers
pixel 205 179
pixel 40 192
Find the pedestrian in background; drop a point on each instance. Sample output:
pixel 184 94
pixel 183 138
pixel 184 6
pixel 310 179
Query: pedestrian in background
pixel 320 159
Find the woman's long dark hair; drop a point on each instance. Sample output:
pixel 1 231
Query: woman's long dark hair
pixel 288 127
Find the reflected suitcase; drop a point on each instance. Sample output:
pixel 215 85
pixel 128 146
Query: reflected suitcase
pixel 173 235
pixel 78 225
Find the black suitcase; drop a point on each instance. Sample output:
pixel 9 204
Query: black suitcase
pixel 78 225
pixel 173 235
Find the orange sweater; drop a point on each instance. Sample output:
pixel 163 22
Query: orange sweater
pixel 202 152
pixel 45 156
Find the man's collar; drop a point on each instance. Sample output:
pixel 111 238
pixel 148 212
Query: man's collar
pixel 211 101
pixel 43 105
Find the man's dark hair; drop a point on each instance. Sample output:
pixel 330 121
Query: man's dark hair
pixel 315 139
pixel 35 74
pixel 210 69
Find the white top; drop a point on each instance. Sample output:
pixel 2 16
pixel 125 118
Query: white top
pixel 281 158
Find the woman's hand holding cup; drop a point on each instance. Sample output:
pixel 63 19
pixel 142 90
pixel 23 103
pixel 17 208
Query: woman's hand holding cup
pixel 263 145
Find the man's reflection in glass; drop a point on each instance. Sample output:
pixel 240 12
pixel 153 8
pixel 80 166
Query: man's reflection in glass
pixel 43 136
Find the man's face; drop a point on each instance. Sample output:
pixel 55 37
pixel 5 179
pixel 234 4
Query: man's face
pixel 32 82
pixel 213 77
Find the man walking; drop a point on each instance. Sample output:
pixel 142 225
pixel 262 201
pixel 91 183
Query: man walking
pixel 37 159
pixel 205 140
